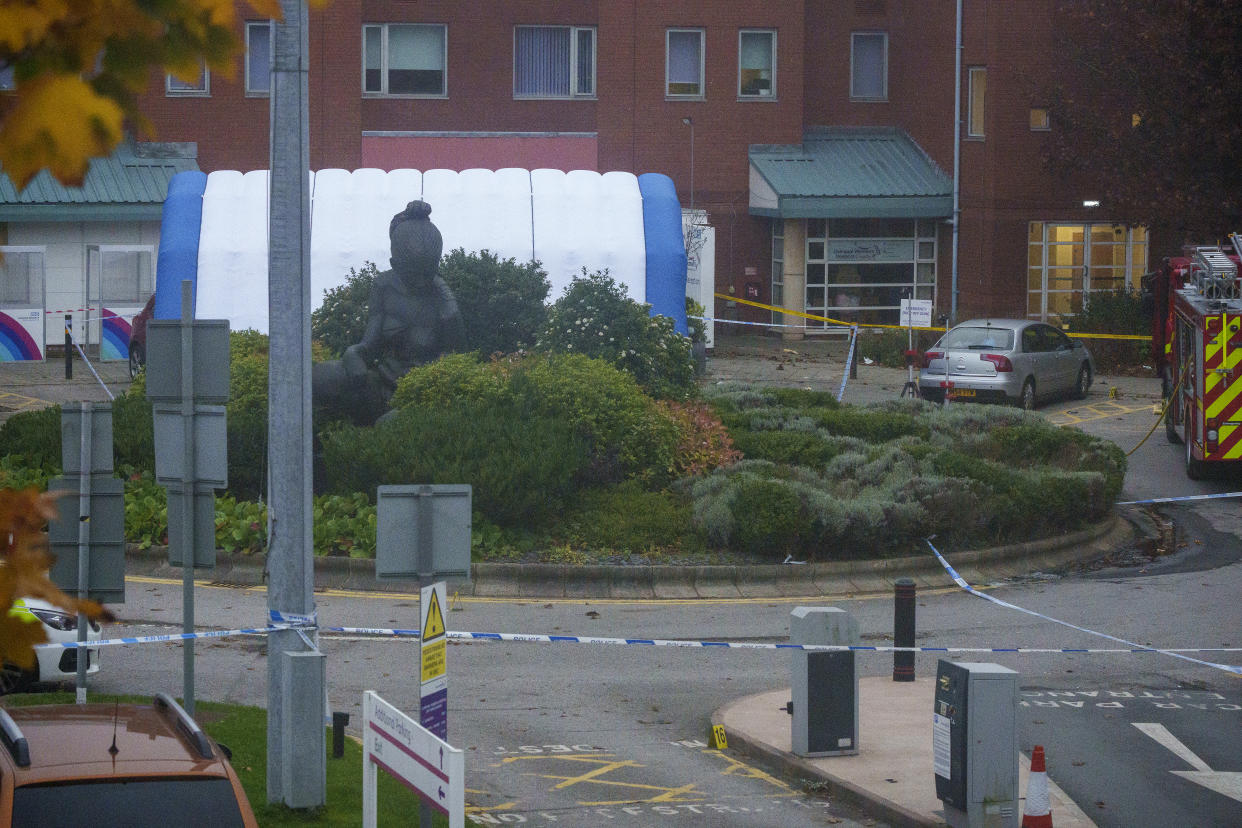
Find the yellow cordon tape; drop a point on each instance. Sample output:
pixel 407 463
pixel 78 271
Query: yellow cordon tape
pixel 844 324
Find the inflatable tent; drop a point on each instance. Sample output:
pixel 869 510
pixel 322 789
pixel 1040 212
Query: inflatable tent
pixel 214 231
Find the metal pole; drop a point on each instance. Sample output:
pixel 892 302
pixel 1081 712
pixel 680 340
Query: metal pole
pixel 291 575
pixel 68 346
pixel 903 628
pixel 957 160
pixel 84 546
pixel 187 493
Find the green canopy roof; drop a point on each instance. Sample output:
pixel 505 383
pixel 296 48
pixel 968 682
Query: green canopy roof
pixel 129 185
pixel 848 172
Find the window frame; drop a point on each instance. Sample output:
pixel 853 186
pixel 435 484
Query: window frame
pixel 971 113
pixel 383 62
pixel 883 97
pixel 251 91
pixel 702 72
pixel 1046 126
pixel 203 90
pixel 770 95
pixel 574 55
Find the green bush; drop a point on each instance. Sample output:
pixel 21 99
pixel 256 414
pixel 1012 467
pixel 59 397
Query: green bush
pixel 501 302
pixel 627 520
pixel 16 474
pixel 246 413
pixel 146 510
pixel 521 465
pixel 455 378
pixel 1115 312
pixel 888 347
pixel 344 525
pixel 597 318
pixel 133 433
pixel 33 437
pixel 342 318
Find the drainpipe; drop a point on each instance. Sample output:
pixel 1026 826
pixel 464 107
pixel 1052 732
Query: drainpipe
pixel 957 161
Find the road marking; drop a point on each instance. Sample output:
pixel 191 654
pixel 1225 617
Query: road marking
pixel 527 601
pixel 1097 411
pixel 1227 783
pixel 601 765
pixel 17 402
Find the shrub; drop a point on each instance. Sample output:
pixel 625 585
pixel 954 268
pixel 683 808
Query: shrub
pixel 342 318
pixel 133 429
pixel 521 465
pixel 146 510
pixel 1115 312
pixel 704 442
pixel 597 318
pixel 627 520
pixel 34 437
pixel 454 378
pixel 888 347
pixel 501 302
pixel 16 474
pixel 344 525
pixel 246 413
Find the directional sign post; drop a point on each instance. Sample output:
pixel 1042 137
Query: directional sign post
pixel 425 764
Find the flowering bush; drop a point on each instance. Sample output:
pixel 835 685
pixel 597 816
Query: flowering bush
pixel 597 318
pixel 705 444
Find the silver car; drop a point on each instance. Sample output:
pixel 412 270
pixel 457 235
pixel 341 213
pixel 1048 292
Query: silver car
pixel 1006 360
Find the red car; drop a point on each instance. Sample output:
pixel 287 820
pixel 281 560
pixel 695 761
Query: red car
pixel 138 338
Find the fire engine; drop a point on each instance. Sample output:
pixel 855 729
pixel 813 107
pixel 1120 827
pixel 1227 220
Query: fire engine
pixel 1197 345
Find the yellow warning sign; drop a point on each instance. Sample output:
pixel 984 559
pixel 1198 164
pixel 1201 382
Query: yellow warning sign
pixel 433 660
pixel 433 621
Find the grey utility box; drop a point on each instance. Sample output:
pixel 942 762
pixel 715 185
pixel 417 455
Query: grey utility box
pixel 423 531
pixel 825 683
pixel 106 581
pixel 975 744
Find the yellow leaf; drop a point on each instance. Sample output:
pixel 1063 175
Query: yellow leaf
pixel 24 24
pixel 59 122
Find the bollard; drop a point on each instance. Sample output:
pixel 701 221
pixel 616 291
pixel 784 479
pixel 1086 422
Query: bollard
pixel 68 346
pixel 339 722
pixel 903 628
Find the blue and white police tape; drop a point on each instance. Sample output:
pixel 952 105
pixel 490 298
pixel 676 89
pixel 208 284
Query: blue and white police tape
pixel 961 582
pixel 163 639
pixel 1180 499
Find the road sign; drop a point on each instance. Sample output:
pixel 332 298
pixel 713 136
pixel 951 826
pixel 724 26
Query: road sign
pixel 427 765
pixel 433 673
pixel 916 313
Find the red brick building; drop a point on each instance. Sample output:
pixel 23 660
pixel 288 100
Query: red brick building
pixel 819 135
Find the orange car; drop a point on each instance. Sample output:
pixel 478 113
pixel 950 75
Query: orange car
pixel 115 764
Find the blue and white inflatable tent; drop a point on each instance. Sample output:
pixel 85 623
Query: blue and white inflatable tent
pixel 214 231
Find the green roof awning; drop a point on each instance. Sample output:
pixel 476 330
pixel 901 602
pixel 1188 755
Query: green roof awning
pixel 129 185
pixel 848 172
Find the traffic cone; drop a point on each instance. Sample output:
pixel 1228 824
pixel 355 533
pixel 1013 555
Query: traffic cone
pixel 1037 813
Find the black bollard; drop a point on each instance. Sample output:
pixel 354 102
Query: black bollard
pixel 339 721
pixel 68 346
pixel 903 629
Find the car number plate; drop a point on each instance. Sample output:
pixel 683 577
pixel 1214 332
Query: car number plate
pixel 961 393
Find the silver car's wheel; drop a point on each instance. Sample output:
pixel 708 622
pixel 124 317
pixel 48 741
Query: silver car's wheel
pixel 1027 400
pixel 1083 385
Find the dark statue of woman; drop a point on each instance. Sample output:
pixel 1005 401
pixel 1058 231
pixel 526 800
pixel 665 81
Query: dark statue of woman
pixel 412 319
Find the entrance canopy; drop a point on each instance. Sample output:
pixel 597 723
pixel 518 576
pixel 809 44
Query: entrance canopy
pixel 848 172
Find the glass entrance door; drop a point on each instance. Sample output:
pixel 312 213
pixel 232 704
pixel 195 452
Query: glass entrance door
pixel 119 280
pixel 1066 263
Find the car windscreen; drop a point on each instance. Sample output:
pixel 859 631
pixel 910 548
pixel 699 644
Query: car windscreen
pixel 978 339
pixel 136 803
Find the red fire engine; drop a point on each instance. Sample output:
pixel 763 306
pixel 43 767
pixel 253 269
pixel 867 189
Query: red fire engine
pixel 1198 350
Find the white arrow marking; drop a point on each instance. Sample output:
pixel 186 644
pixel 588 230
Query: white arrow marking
pixel 1227 783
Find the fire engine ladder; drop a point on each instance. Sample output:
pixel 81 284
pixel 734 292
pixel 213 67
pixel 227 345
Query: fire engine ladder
pixel 1236 238
pixel 1214 274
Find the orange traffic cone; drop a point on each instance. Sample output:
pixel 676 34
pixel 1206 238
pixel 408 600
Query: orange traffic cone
pixel 1037 813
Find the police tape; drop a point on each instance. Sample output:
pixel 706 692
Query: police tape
pixel 877 326
pixel 1181 499
pixel 1175 653
pixel 377 633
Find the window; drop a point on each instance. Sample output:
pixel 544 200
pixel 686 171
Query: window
pixel 978 94
pixel 174 85
pixel 869 66
pixel 553 62
pixel 7 84
pixel 21 277
pixel 1039 120
pixel 756 64
pixel 258 58
pixel 684 66
pixel 404 59
pixel 1066 263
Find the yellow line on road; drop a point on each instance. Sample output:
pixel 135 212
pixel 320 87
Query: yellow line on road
pixel 1095 411
pixel 522 601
